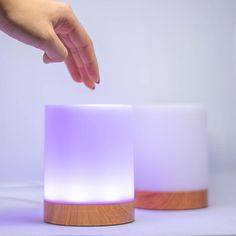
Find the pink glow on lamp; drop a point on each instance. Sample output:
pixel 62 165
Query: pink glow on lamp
pixel 88 163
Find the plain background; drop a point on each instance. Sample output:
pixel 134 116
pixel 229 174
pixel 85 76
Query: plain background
pixel 148 51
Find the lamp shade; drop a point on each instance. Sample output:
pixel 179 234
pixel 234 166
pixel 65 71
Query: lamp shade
pixel 89 174
pixel 171 164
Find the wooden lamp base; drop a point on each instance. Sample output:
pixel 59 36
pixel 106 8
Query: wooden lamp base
pixel 88 214
pixel 171 200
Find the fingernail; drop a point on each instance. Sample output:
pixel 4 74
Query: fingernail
pixel 46 61
pixel 93 88
pixel 98 82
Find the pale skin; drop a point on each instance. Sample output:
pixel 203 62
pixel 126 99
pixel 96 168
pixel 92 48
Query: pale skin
pixel 52 27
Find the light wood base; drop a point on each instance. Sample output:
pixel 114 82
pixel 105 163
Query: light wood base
pixel 88 214
pixel 171 200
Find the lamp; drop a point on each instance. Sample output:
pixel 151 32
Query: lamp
pixel 89 176
pixel 171 164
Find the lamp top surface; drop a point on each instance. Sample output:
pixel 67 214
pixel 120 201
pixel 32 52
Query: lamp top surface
pixel 90 105
pixel 171 105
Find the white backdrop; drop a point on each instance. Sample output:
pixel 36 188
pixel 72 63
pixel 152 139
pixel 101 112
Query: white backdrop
pixel 150 51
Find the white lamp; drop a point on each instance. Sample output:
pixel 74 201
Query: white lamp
pixel 171 164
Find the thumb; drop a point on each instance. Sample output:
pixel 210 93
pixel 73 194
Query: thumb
pixel 54 49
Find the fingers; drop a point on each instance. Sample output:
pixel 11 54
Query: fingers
pixel 54 49
pixel 81 60
pixel 84 47
pixel 72 68
pixel 88 58
pixel 75 64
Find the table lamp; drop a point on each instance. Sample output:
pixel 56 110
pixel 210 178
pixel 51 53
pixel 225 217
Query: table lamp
pixel 89 174
pixel 171 164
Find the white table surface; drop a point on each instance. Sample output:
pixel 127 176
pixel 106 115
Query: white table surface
pixel 21 213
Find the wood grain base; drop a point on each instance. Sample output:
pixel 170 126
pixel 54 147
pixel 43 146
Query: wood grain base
pixel 171 200
pixel 88 214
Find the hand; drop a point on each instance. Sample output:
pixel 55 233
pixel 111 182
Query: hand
pixel 52 27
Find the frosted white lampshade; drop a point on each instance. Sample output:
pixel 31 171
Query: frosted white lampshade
pixel 171 163
pixel 89 177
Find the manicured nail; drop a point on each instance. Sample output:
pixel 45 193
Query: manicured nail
pixel 46 61
pixel 98 82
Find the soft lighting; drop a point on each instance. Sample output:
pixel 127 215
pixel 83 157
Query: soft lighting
pixel 171 156
pixel 89 154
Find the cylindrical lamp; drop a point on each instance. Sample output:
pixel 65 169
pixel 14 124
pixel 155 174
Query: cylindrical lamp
pixel 171 161
pixel 89 176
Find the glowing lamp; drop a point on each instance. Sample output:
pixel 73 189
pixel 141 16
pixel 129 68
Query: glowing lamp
pixel 89 176
pixel 171 164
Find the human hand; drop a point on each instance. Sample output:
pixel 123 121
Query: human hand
pixel 52 27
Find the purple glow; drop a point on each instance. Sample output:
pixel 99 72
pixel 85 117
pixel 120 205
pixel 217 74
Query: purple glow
pixel 89 154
